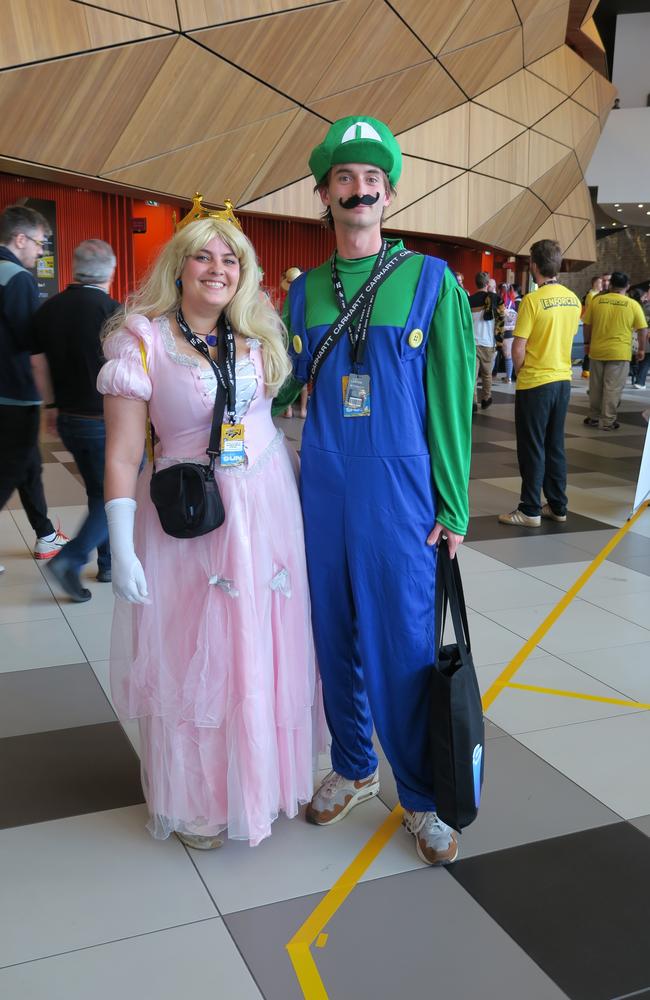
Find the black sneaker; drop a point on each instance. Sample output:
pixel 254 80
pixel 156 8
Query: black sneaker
pixel 486 402
pixel 611 427
pixel 68 580
pixel 103 576
pixel 589 422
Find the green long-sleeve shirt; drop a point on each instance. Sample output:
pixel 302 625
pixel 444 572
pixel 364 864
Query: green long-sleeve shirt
pixel 450 365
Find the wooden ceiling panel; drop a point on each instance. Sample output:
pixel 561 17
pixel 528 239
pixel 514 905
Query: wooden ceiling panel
pixel 358 57
pixel 606 93
pixel 514 224
pixel 254 46
pixel 484 17
pixel 586 94
pixel 206 13
pixel 567 124
pixel 488 131
pixel 544 154
pixel 159 12
pixel 546 231
pixel 585 147
pixel 76 93
pixel 524 97
pixel 578 203
pixel 33 31
pixel 545 32
pixel 584 247
pixel 531 8
pixel 510 163
pixel 177 112
pixel 478 67
pixel 402 100
pixel 297 200
pixel 562 68
pixel 558 182
pixel 444 139
pixel 568 230
pixel 443 213
pixel 219 168
pixel 287 161
pixel 419 178
pixel 486 197
pixel 431 22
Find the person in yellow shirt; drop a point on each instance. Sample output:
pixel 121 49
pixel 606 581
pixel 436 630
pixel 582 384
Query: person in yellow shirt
pixel 547 322
pixel 596 289
pixel 609 323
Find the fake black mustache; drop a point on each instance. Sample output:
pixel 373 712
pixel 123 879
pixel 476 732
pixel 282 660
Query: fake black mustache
pixel 364 199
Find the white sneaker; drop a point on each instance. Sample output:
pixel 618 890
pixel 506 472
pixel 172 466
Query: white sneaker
pixel 518 517
pixel 2 569
pixel 46 550
pixel 549 513
pixel 436 843
pixel 199 843
pixel 337 795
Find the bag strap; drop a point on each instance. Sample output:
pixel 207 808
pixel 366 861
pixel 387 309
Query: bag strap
pixel 449 594
pixel 149 435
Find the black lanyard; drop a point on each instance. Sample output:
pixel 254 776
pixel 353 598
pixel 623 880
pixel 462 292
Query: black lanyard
pixel 364 301
pixel 224 367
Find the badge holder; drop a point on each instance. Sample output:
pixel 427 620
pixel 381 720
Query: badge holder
pixel 232 445
pixel 356 395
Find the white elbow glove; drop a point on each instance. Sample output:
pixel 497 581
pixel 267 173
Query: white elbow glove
pixel 127 572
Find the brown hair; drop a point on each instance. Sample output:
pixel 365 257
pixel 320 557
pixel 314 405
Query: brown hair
pixel 547 255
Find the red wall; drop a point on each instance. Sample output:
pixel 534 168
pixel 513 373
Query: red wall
pixel 81 215
pixel 160 228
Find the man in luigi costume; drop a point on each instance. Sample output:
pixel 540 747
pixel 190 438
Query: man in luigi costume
pixel 385 468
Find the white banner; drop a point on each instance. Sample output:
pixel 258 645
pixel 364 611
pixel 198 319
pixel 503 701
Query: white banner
pixel 643 483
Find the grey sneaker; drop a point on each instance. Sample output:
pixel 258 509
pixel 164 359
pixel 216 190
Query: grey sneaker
pixel 548 512
pixel 519 518
pixel 337 795
pixel 199 843
pixel 436 843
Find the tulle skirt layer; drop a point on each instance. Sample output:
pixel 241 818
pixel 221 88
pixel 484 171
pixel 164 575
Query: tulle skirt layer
pixel 220 668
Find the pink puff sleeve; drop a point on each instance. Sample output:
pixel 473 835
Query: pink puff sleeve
pixel 123 373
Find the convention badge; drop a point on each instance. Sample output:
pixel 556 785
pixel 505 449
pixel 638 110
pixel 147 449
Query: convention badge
pixel 232 444
pixel 356 395
pixel 415 338
pixel 297 344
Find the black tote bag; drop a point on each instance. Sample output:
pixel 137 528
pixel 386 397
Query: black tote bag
pixel 457 730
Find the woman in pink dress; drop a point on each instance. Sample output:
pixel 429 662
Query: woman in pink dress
pixel 211 646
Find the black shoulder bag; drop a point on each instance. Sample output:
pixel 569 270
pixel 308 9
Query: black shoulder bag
pixel 186 495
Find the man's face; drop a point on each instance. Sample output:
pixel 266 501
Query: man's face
pixel 29 247
pixel 597 285
pixel 604 282
pixel 350 182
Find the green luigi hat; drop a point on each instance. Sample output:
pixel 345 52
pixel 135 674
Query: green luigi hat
pixel 358 140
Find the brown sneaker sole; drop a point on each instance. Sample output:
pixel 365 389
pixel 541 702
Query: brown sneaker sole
pixel 436 858
pixel 325 818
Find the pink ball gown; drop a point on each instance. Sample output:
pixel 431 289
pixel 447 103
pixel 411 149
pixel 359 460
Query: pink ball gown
pixel 219 669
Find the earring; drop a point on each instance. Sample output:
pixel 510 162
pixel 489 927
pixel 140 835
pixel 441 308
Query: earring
pixel 179 284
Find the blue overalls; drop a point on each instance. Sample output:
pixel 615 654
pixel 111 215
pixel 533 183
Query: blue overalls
pixel 368 505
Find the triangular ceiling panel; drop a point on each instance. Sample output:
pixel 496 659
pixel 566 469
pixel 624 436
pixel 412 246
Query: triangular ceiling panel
pixel 206 13
pixel 287 161
pixel 31 31
pixel 585 147
pixel 523 97
pixel 89 84
pixel 488 131
pixel 591 10
pixel 544 154
pixel 255 45
pixel 567 124
pixel 444 139
pixel 514 224
pixel 478 67
pixel 431 22
pixel 606 93
pixel 485 17
pixel 561 68
pixel 402 100
pixel 531 8
pixel 589 29
pixel 509 163
pixel 578 203
pixel 584 247
pixel 297 200
pixel 160 12
pixel 568 230
pixel 443 213
pixel 558 182
pixel 219 168
pixel 226 99
pixel 487 196
pixel 353 61
pixel 586 94
pixel 546 231
pixel 545 32
pixel 419 178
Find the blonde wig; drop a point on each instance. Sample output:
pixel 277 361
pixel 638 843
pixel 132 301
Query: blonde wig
pixel 249 311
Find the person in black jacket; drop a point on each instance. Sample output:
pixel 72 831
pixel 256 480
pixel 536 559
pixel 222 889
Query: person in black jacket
pixel 23 236
pixel 66 330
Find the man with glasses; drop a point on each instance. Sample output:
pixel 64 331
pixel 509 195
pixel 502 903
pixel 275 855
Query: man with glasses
pixel 23 237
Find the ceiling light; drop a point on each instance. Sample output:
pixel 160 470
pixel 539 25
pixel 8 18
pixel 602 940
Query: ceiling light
pixel 625 226
pixel 639 206
pixel 619 209
pixel 613 223
pixel 647 234
pixel 616 204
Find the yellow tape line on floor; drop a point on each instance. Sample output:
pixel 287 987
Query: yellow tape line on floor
pixel 577 694
pixel 299 946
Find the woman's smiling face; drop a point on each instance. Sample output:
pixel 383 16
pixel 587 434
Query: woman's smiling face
pixel 210 277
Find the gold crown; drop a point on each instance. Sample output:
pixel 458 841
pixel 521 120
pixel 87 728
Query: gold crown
pixel 199 211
